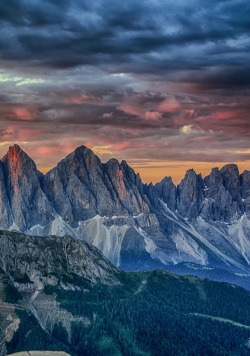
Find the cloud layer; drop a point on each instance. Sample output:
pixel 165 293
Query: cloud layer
pixel 144 81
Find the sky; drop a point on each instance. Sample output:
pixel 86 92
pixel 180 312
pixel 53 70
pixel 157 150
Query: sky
pixel 162 84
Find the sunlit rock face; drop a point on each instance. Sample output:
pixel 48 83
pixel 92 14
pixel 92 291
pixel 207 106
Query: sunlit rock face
pixel 81 187
pixel 137 226
pixel 27 202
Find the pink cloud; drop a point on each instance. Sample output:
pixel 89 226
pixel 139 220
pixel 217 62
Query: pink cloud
pixel 22 114
pixel 79 99
pixel 219 115
pixel 131 109
pixel 169 105
pixel 120 146
pixel 8 134
pixel 152 115
pixel 189 112
pixel 46 151
pixel 201 139
pixel 25 132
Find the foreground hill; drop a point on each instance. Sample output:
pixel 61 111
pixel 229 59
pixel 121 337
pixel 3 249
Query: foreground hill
pixel 200 227
pixel 62 294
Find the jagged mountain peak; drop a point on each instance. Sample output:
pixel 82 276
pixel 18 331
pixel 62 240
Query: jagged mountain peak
pixel 17 160
pixel 124 164
pixel 190 171
pixel 215 170
pixel 191 178
pixel 231 180
pixel 190 174
pixel 82 150
pixel 15 148
pixel 230 168
pixel 14 152
pixel 82 155
pixel 24 196
pixel 166 179
pixel 112 162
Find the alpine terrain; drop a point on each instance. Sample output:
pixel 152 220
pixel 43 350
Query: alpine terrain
pixel 201 226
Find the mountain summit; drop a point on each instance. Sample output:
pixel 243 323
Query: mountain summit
pixel 202 222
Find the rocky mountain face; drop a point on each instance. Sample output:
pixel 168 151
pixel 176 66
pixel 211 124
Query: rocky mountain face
pixel 30 267
pixel 81 187
pixel 26 202
pixel 203 223
pixel 53 261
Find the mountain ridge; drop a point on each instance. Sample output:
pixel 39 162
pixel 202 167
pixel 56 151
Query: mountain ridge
pixel 204 221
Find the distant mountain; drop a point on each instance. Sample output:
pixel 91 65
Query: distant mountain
pixel 59 293
pixel 200 226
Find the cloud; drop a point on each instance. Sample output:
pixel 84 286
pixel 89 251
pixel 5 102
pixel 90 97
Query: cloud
pixel 151 35
pixel 130 109
pixel 152 115
pixel 169 105
pixel 140 80
pixel 19 80
pixel 22 114
pixel 107 115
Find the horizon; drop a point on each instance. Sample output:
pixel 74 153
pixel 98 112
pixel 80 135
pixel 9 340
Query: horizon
pixel 134 166
pixel 141 81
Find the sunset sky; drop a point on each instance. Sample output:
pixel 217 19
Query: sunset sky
pixel 162 84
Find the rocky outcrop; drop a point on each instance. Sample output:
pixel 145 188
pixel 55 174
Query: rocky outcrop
pixel 190 195
pixel 166 191
pixel 57 261
pixel 223 198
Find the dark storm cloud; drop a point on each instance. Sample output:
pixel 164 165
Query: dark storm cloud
pixel 72 33
pixel 227 78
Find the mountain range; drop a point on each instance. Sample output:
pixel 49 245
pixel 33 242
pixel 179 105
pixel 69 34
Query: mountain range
pixel 201 225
